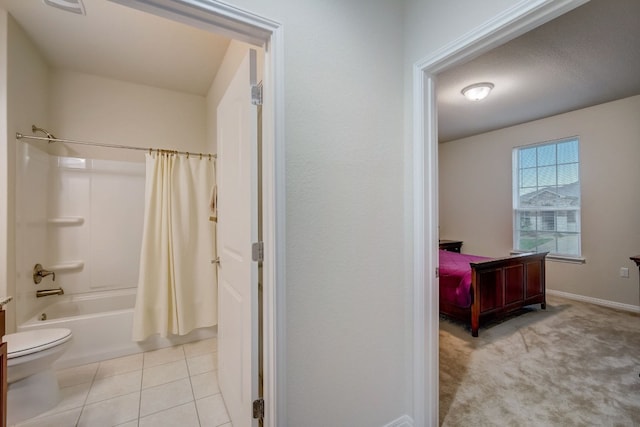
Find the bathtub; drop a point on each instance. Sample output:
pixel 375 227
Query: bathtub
pixel 101 323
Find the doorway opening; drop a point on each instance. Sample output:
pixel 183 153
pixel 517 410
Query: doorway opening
pixel 262 32
pixel 510 24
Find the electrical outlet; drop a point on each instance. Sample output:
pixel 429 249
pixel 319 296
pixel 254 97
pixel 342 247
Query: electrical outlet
pixel 624 272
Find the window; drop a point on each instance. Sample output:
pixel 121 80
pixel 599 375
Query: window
pixel 548 220
pixel 546 198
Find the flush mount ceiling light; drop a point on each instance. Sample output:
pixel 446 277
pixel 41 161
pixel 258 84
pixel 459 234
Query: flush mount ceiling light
pixel 478 91
pixel 73 6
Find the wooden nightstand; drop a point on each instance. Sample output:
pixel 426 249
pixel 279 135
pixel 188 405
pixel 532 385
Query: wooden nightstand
pixel 450 245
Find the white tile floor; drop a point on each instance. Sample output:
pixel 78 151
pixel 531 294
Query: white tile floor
pixel 176 386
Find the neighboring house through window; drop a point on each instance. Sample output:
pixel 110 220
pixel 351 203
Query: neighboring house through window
pixel 546 198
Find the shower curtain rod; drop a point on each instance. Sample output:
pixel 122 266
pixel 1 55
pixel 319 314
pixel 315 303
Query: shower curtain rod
pixel 51 138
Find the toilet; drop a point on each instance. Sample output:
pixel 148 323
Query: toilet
pixel 33 386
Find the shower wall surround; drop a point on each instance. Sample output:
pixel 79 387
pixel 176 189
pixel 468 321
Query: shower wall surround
pixel 81 218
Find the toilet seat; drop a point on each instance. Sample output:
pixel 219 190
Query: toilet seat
pixel 30 342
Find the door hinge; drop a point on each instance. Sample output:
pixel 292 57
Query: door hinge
pixel 257 251
pixel 258 408
pixel 256 94
pixel 437 272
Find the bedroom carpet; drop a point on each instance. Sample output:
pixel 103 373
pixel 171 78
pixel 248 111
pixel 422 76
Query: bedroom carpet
pixel 573 364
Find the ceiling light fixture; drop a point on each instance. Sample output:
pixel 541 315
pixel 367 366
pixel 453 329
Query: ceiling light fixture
pixel 478 91
pixel 74 6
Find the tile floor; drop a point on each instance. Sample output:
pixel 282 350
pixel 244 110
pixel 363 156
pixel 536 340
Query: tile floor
pixel 175 386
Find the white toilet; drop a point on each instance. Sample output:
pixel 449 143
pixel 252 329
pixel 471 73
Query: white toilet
pixel 33 386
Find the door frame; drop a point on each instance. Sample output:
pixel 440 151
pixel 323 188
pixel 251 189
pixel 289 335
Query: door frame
pixel 511 23
pixel 230 21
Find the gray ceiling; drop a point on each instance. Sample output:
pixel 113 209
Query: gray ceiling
pixel 586 57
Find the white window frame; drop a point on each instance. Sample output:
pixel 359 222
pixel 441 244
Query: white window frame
pixel 537 219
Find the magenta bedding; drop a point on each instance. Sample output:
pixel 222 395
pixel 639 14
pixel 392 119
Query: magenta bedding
pixel 455 277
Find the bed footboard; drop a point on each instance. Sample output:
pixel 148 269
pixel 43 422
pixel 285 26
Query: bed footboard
pixel 502 286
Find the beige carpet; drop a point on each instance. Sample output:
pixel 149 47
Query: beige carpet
pixel 574 364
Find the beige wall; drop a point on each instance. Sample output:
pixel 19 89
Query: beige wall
pixel 5 288
pixel 99 109
pixel 475 195
pixel 345 290
pixel 27 94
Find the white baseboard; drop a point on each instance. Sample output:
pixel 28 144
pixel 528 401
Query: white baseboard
pixel 403 421
pixel 597 301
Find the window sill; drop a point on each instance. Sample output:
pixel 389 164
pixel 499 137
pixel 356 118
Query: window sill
pixel 559 258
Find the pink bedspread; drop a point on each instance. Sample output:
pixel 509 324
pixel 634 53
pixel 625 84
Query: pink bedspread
pixel 455 277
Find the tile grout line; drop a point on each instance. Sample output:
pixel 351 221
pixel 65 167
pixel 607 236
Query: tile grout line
pixel 140 395
pixel 140 390
pixel 84 402
pixel 163 384
pixel 193 393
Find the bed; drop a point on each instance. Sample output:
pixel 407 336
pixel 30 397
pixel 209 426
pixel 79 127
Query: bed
pixel 475 288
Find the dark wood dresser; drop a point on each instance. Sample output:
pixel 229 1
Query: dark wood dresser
pixel 450 245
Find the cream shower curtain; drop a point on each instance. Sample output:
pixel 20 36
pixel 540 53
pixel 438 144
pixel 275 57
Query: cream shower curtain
pixel 177 285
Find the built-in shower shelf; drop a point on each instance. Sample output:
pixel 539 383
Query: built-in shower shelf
pixel 66 266
pixel 66 220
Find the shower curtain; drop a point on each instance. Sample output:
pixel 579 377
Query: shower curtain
pixel 177 285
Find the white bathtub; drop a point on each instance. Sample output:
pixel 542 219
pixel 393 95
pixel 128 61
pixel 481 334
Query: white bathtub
pixel 101 324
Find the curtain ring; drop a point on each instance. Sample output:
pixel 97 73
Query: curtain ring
pixel 200 156
pixel 187 154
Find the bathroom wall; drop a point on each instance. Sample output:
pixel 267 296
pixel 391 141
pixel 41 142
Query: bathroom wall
pixel 105 192
pixel 95 214
pixel 27 95
pixel 4 160
pixel 99 109
pixel 81 218
pixel 32 174
pixel 80 106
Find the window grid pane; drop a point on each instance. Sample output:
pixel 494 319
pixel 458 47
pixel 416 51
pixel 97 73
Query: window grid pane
pixel 547 198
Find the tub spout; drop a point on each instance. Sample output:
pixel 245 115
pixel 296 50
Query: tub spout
pixel 47 292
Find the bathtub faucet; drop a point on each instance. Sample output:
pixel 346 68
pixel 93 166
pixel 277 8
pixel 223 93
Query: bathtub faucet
pixel 39 272
pixel 47 292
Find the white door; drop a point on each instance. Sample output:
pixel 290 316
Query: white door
pixel 237 230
